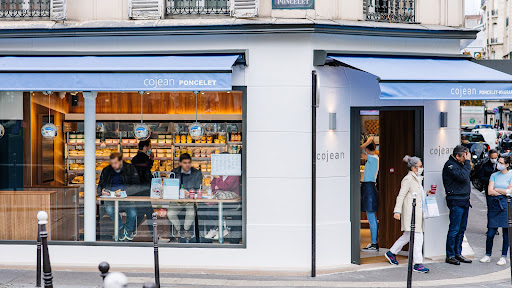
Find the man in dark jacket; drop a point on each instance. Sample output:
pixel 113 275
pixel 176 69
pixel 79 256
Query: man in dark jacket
pixel 122 176
pixel 487 169
pixel 143 162
pixel 190 178
pixel 458 190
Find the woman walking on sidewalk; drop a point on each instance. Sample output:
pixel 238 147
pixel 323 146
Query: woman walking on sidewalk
pixel 411 187
pixel 497 217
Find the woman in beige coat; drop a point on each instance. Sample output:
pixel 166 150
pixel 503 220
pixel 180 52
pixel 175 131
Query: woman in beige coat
pixel 412 186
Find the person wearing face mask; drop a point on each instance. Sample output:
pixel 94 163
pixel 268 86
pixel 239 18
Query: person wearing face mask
pixel 411 186
pixel 499 183
pixel 143 162
pixel 487 169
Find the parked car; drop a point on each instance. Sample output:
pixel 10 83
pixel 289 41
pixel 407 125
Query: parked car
pixel 490 136
pixel 483 126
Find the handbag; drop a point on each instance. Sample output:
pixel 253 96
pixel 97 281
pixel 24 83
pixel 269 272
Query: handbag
pixel 225 195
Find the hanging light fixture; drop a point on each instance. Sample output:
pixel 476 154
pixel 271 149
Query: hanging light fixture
pixel 196 129
pixel 141 131
pixel 49 130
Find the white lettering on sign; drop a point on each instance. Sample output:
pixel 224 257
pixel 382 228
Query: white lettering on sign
pixel 197 82
pixel 158 82
pixel 460 91
pixel 293 2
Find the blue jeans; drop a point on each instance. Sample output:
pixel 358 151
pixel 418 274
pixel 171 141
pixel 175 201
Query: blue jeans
pixel 131 214
pixel 374 226
pixel 490 238
pixel 458 224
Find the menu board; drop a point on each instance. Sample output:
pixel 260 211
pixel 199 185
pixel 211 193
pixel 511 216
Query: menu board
pixel 227 164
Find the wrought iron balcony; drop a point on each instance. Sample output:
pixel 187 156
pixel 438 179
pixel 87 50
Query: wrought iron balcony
pixel 196 7
pixel 24 9
pixel 396 11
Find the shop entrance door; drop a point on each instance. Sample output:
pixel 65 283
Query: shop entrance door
pixel 399 133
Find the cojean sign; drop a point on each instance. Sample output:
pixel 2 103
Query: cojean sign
pixel 293 4
pixel 445 91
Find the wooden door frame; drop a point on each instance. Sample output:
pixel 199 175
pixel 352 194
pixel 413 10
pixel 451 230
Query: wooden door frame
pixel 355 190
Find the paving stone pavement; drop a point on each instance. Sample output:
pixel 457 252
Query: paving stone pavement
pixel 442 275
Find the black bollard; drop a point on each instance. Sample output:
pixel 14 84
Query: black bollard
pixel 155 246
pixel 104 267
pixel 38 257
pixel 47 269
pixel 509 230
pixel 411 242
pixel 150 285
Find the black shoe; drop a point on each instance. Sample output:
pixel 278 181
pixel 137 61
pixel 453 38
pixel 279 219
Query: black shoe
pixel 463 259
pixel 372 247
pixel 452 261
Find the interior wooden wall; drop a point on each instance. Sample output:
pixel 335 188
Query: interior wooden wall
pixel 164 103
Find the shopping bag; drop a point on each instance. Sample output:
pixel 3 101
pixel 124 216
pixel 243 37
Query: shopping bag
pixel 171 189
pixel 432 210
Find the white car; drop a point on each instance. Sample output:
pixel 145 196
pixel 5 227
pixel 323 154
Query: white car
pixel 490 136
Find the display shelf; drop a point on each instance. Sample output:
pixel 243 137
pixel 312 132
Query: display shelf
pixel 200 144
pixel 97 144
pixel 81 171
pixel 234 142
pixel 196 158
pixel 161 145
pixel 82 158
pixel 129 144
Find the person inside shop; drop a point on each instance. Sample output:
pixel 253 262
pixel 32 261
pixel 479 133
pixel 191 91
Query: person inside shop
pixel 457 186
pixel 120 176
pixel 230 186
pixel 190 178
pixel 143 162
pixel 488 168
pixel 369 196
pixel 411 186
pixel 499 183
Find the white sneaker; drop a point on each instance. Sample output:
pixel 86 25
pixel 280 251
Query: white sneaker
pixel 211 234
pixel 485 259
pixel 502 261
pixel 225 233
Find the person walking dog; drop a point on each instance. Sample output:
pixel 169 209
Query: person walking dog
pixel 411 187
pixel 457 186
pixel 497 217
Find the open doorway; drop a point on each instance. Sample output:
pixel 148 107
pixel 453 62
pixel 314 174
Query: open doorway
pixel 396 132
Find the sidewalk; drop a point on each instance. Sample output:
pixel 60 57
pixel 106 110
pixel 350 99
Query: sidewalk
pixel 442 274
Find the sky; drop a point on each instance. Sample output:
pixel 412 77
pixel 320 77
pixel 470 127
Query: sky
pixel 472 7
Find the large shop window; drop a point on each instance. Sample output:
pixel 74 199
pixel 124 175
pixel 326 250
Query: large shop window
pixel 194 183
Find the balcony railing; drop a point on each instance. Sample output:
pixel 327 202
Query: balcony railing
pixel 195 7
pixel 24 8
pixel 494 12
pixel 396 11
pixel 494 40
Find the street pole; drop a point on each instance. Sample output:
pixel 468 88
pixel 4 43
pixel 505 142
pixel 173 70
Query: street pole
pixel 155 247
pixel 47 269
pixel 411 242
pixel 38 258
pixel 509 229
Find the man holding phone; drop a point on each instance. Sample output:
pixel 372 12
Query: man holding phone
pixel 457 186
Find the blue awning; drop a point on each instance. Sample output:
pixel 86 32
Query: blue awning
pixel 419 78
pixel 116 73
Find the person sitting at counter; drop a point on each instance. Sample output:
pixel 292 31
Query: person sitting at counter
pixel 122 176
pixel 221 183
pixel 190 178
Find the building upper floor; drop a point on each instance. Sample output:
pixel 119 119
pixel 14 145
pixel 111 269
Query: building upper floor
pixel 427 12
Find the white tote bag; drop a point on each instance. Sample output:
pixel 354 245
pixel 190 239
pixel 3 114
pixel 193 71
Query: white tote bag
pixel 430 207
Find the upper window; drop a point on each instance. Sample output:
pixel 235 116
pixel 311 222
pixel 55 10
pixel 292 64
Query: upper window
pixel 396 11
pixel 190 7
pixel 24 9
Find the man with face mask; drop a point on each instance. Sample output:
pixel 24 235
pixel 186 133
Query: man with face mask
pixel 143 162
pixel 487 169
pixel 122 176
pixel 457 187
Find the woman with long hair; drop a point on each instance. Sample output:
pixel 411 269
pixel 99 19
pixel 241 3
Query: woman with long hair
pixel 411 187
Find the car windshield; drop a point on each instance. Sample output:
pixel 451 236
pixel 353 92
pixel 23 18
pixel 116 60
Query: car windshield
pixel 472 137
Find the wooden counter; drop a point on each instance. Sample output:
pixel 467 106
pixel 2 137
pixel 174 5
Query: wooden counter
pixel 18 213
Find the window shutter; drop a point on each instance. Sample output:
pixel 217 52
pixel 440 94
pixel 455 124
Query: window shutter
pixel 244 8
pixel 58 10
pixel 146 9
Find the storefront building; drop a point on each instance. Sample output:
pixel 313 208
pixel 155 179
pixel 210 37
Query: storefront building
pixel 251 86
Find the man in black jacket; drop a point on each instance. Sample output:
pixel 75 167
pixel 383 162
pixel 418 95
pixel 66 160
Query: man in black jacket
pixel 143 162
pixel 458 190
pixel 122 176
pixel 487 169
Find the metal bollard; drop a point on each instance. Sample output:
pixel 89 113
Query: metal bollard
pixel 38 256
pixel 47 269
pixel 104 267
pixel 411 242
pixel 149 285
pixel 155 247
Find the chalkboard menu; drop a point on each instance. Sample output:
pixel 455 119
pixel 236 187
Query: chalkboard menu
pixel 293 4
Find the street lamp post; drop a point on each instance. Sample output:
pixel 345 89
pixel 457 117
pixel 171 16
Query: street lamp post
pixel 411 241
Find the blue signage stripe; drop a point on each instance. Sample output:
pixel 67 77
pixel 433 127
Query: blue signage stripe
pixel 445 91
